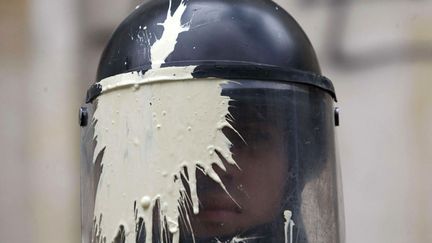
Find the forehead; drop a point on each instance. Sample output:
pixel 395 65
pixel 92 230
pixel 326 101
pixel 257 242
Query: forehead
pixel 259 106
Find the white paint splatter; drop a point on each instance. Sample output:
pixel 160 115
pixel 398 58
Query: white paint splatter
pixel 135 79
pixel 161 49
pixel 190 133
pixel 145 202
pixel 288 226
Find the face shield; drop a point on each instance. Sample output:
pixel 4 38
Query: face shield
pixel 167 157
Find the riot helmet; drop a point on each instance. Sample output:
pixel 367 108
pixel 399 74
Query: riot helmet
pixel 210 121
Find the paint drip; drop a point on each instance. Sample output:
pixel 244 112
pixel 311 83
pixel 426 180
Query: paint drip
pixel 158 138
pixel 288 226
pixel 161 49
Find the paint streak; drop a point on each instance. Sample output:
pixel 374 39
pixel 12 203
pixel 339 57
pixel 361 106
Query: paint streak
pixel 97 170
pixel 140 228
pixel 161 49
pixel 97 236
pixel 288 226
pixel 120 237
pixel 169 125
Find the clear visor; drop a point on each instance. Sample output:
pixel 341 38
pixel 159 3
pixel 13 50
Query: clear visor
pixel 211 161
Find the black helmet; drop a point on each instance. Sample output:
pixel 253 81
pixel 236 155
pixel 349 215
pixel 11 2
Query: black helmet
pixel 210 122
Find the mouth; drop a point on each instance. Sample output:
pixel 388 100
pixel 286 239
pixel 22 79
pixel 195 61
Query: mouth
pixel 219 211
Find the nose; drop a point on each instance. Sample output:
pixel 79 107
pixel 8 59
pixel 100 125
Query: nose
pixel 230 170
pixel 206 184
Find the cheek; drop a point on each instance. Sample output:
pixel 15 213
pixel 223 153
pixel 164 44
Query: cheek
pixel 264 182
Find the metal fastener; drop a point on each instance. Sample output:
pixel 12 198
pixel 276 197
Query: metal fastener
pixel 336 115
pixel 83 116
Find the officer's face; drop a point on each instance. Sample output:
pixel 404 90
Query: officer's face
pixel 255 186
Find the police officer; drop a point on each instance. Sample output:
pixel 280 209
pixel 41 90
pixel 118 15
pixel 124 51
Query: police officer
pixel 210 121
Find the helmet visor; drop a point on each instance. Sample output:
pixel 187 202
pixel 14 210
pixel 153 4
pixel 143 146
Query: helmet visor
pixel 211 161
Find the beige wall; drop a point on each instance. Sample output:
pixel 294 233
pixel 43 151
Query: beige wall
pixel 48 56
pixel 385 136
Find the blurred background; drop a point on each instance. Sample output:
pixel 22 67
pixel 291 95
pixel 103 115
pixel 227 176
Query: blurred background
pixel 378 54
